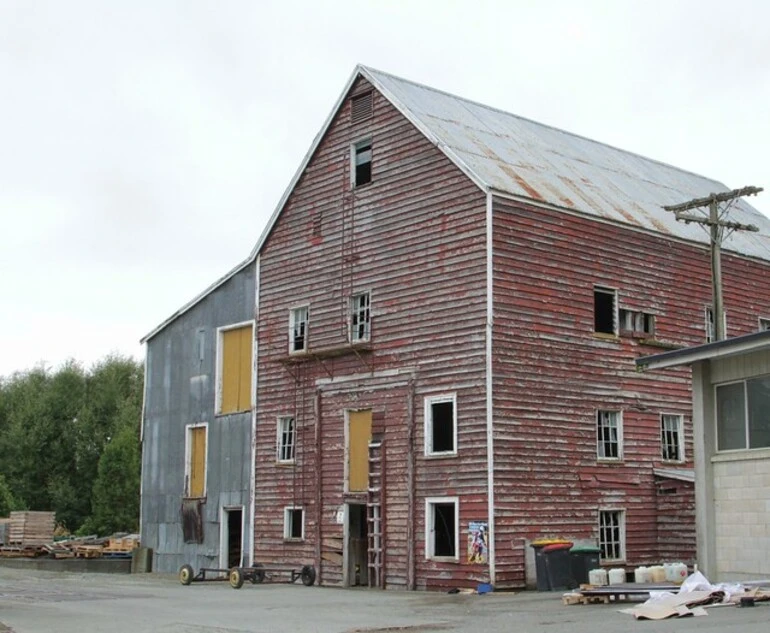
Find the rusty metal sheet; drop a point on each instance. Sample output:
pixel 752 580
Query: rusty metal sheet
pixel 525 158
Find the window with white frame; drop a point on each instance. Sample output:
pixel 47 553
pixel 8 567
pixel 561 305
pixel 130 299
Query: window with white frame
pixel 298 322
pixel 764 324
pixel 636 323
pixel 293 523
pixel 612 535
pixel 361 155
pixel 360 317
pixel 605 310
pixel 441 425
pixel 743 414
pixel 442 528
pixel 609 435
pixel 711 334
pixel 286 439
pixel 672 437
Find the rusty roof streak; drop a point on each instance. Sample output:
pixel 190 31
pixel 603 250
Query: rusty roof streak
pixel 507 153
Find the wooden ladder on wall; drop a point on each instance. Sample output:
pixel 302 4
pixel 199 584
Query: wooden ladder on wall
pixel 375 514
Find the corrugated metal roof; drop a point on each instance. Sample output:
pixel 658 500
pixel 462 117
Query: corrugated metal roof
pixel 514 155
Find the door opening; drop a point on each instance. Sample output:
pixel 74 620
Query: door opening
pixel 358 571
pixel 234 537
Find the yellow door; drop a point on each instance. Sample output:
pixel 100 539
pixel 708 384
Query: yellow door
pixel 197 461
pixel 359 436
pixel 236 369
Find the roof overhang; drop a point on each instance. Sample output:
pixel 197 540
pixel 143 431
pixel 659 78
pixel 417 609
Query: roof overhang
pixel 710 351
pixel 680 474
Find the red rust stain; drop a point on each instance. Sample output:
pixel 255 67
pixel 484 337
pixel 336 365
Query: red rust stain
pixel 531 191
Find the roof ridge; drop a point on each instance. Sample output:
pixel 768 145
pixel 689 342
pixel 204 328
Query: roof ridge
pixel 543 125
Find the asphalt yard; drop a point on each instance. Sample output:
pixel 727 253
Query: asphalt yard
pixel 57 602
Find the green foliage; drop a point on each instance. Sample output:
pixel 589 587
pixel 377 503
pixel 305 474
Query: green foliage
pixel 56 429
pixel 7 502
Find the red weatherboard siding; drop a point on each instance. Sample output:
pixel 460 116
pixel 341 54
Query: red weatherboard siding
pixel 415 238
pixel 551 374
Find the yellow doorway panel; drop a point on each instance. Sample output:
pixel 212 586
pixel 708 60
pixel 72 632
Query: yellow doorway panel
pixel 359 436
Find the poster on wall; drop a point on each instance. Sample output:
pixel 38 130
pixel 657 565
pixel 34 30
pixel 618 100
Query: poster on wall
pixel 477 542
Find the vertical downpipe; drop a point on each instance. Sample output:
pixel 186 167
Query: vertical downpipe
pixel 489 402
pixel 254 384
pixel 318 485
pixel 410 544
pixel 141 436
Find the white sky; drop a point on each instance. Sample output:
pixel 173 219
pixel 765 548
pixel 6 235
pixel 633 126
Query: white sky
pixel 145 143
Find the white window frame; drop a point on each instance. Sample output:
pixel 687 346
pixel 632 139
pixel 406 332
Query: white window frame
pixel 744 382
pixel 354 146
pixel 188 458
pixel 428 426
pixel 615 318
pixel 622 532
pixel 679 436
pixel 619 419
pixel 637 320
pixel 763 323
pixel 286 528
pixel 293 322
pixel 430 504
pixel 223 536
pixel 353 310
pixel 220 359
pixel 279 439
pixel 708 316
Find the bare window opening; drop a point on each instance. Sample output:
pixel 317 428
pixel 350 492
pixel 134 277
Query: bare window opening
pixel 636 323
pixel 362 163
pixel 298 321
pixel 764 324
pixel 441 539
pixel 317 222
pixel 286 439
pixel 671 438
pixel 293 523
pixel 359 317
pixel 711 334
pixel 361 107
pixel 612 535
pixel 609 435
pixel 605 301
pixel 440 425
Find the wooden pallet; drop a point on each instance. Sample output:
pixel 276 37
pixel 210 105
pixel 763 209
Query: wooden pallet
pixel 88 551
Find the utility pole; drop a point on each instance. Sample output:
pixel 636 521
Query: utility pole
pixel 715 221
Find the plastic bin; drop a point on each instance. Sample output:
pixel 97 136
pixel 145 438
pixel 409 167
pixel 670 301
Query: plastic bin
pixel 540 565
pixel 558 566
pixel 582 560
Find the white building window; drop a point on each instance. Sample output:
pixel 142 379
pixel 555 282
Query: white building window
pixel 609 435
pixel 743 418
pixel 441 425
pixel 605 310
pixel 612 535
pixel 636 323
pixel 672 437
pixel 442 528
pixel 360 317
pixel 298 325
pixel 286 439
pixel 293 524
pixel 361 158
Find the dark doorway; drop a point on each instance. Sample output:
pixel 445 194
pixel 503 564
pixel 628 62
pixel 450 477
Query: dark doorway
pixel 234 537
pixel 358 570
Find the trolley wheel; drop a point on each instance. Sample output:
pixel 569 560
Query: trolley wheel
pixel 236 578
pixel 258 576
pixel 186 574
pixel 308 575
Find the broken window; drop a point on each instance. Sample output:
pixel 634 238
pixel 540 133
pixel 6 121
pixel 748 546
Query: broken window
pixel 362 163
pixel 764 324
pixel 293 523
pixel 672 438
pixel 359 318
pixel 711 334
pixel 609 435
pixel 298 318
pixel 743 414
pixel 612 535
pixel 441 425
pixel 636 323
pixel 441 523
pixel 605 310
pixel 286 439
pixel 361 107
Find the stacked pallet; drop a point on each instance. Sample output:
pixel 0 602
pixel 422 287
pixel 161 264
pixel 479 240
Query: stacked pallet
pixel 31 529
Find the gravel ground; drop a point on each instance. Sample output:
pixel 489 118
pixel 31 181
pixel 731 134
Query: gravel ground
pixel 48 602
